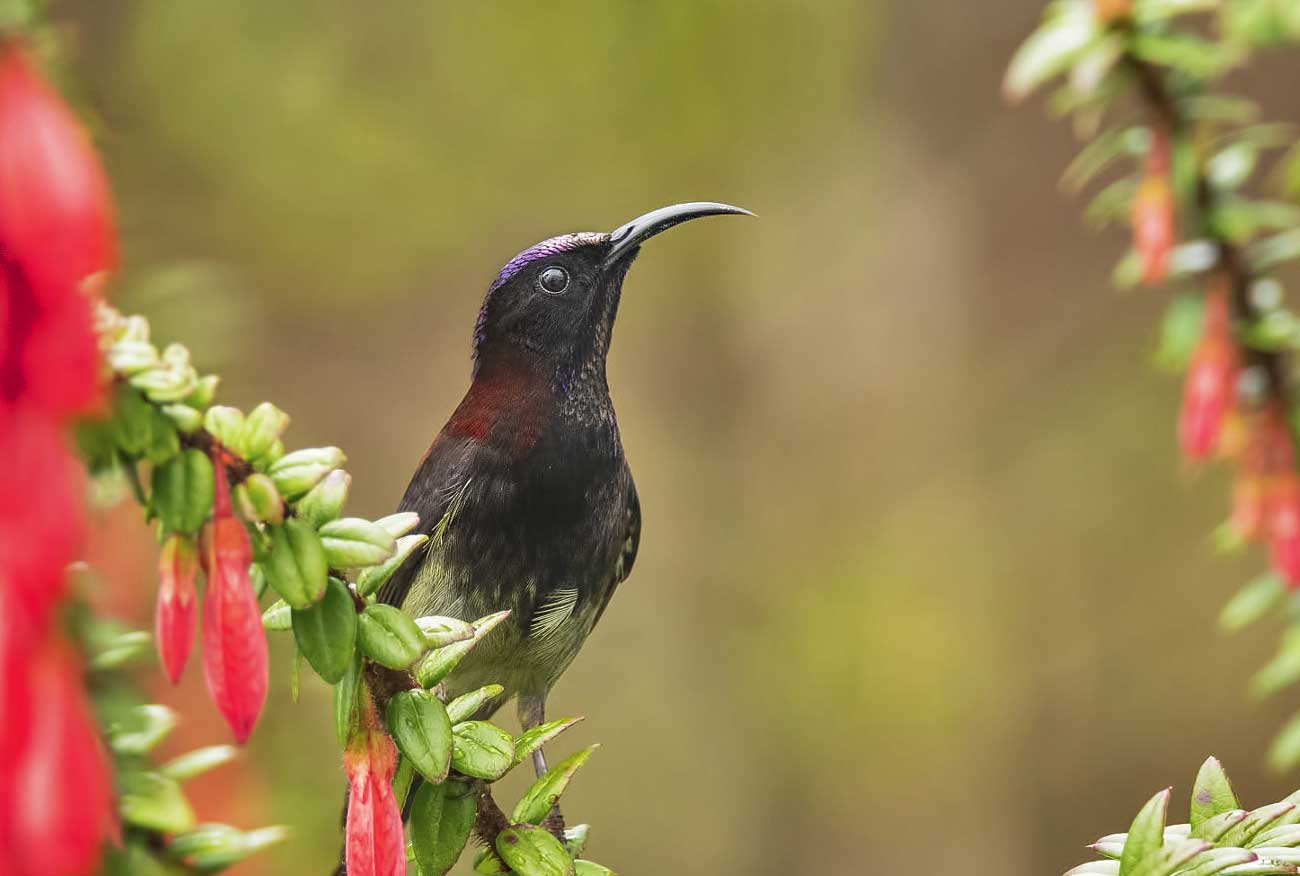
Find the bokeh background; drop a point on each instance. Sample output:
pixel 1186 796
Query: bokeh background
pixel 922 580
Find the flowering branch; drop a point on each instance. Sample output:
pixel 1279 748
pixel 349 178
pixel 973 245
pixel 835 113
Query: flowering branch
pixel 1195 153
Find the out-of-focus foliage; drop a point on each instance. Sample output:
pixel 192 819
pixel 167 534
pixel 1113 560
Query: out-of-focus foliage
pixel 1143 82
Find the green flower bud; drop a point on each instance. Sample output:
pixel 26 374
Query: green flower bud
pixel 225 423
pixel 136 328
pixel 296 473
pixel 132 357
pixel 205 390
pixel 352 542
pixel 264 498
pixel 176 356
pixel 187 419
pixel 374 577
pixel 264 424
pixel 165 384
pixel 324 502
pixel 399 524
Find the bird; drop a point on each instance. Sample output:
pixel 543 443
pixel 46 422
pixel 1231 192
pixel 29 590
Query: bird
pixel 525 494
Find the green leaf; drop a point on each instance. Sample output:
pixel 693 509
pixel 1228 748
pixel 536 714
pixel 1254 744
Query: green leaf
pixel 1169 858
pixel 481 750
pixel 345 700
pixel 181 491
pixel 441 631
pixel 1155 11
pixel 389 636
pixel 488 863
pixel 1185 52
pixel 1145 835
pixel 370 579
pixel 294 474
pixel 134 859
pixel 1097 155
pixel 296 567
pixel 590 868
pixel 1216 861
pixel 1211 795
pixel 532 851
pixel 399 524
pixel 154 802
pixel 1251 602
pixel 218 846
pixel 278 617
pixel 1256 822
pixel 327 631
pixel 1069 27
pixel 121 650
pixel 1283 670
pixel 1180 330
pixel 441 819
pixel 545 792
pixel 261 429
pixel 352 542
pixel 1214 828
pixel 1111 203
pixel 467 705
pixel 197 762
pixel 535 738
pixel 325 500
pixel 439 663
pixel 141 729
pixel 419 725
pixel 1231 167
pixel 1275 250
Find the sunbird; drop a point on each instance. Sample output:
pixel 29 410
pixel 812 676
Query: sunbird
pixel 525 494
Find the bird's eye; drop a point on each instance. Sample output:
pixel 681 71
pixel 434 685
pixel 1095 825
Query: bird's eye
pixel 554 280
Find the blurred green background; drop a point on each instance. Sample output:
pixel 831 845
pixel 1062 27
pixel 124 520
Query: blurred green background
pixel 922 581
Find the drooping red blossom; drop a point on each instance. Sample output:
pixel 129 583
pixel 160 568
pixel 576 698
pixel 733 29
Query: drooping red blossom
pixel 61 809
pixel 41 512
pixel 56 216
pixel 1210 387
pixel 174 617
pixel 375 843
pixel 1284 527
pixel 235 664
pixel 1153 211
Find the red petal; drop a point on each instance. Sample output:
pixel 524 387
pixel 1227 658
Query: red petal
pixel 234 645
pixel 174 618
pixel 376 845
pixel 55 209
pixel 40 511
pixel 63 805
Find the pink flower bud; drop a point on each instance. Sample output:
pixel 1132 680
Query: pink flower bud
pixel 1210 387
pixel 174 617
pixel 61 805
pixel 235 664
pixel 1153 211
pixel 375 843
pixel 55 211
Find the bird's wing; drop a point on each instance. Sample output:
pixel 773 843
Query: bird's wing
pixel 437 483
pixel 627 556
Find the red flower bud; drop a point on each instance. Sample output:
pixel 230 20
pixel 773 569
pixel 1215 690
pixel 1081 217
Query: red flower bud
pixel 375 843
pixel 55 210
pixel 61 803
pixel 1210 387
pixel 1153 211
pixel 234 645
pixel 1284 527
pixel 40 512
pixel 174 618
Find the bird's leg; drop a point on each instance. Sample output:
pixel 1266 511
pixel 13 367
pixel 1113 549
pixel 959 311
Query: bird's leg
pixel 532 712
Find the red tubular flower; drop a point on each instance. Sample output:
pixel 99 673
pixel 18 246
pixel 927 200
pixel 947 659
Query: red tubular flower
pixel 178 563
pixel 1284 527
pixel 375 843
pixel 234 646
pixel 1210 387
pixel 62 802
pixel 1153 211
pixel 55 211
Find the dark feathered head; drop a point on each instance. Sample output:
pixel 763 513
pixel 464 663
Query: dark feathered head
pixel 554 304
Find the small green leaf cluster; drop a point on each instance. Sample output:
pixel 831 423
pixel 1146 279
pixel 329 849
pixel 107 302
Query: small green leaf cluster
pixel 161 833
pixel 1219 838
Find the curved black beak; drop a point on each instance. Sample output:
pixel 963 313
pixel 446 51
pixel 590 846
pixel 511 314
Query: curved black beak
pixel 628 237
